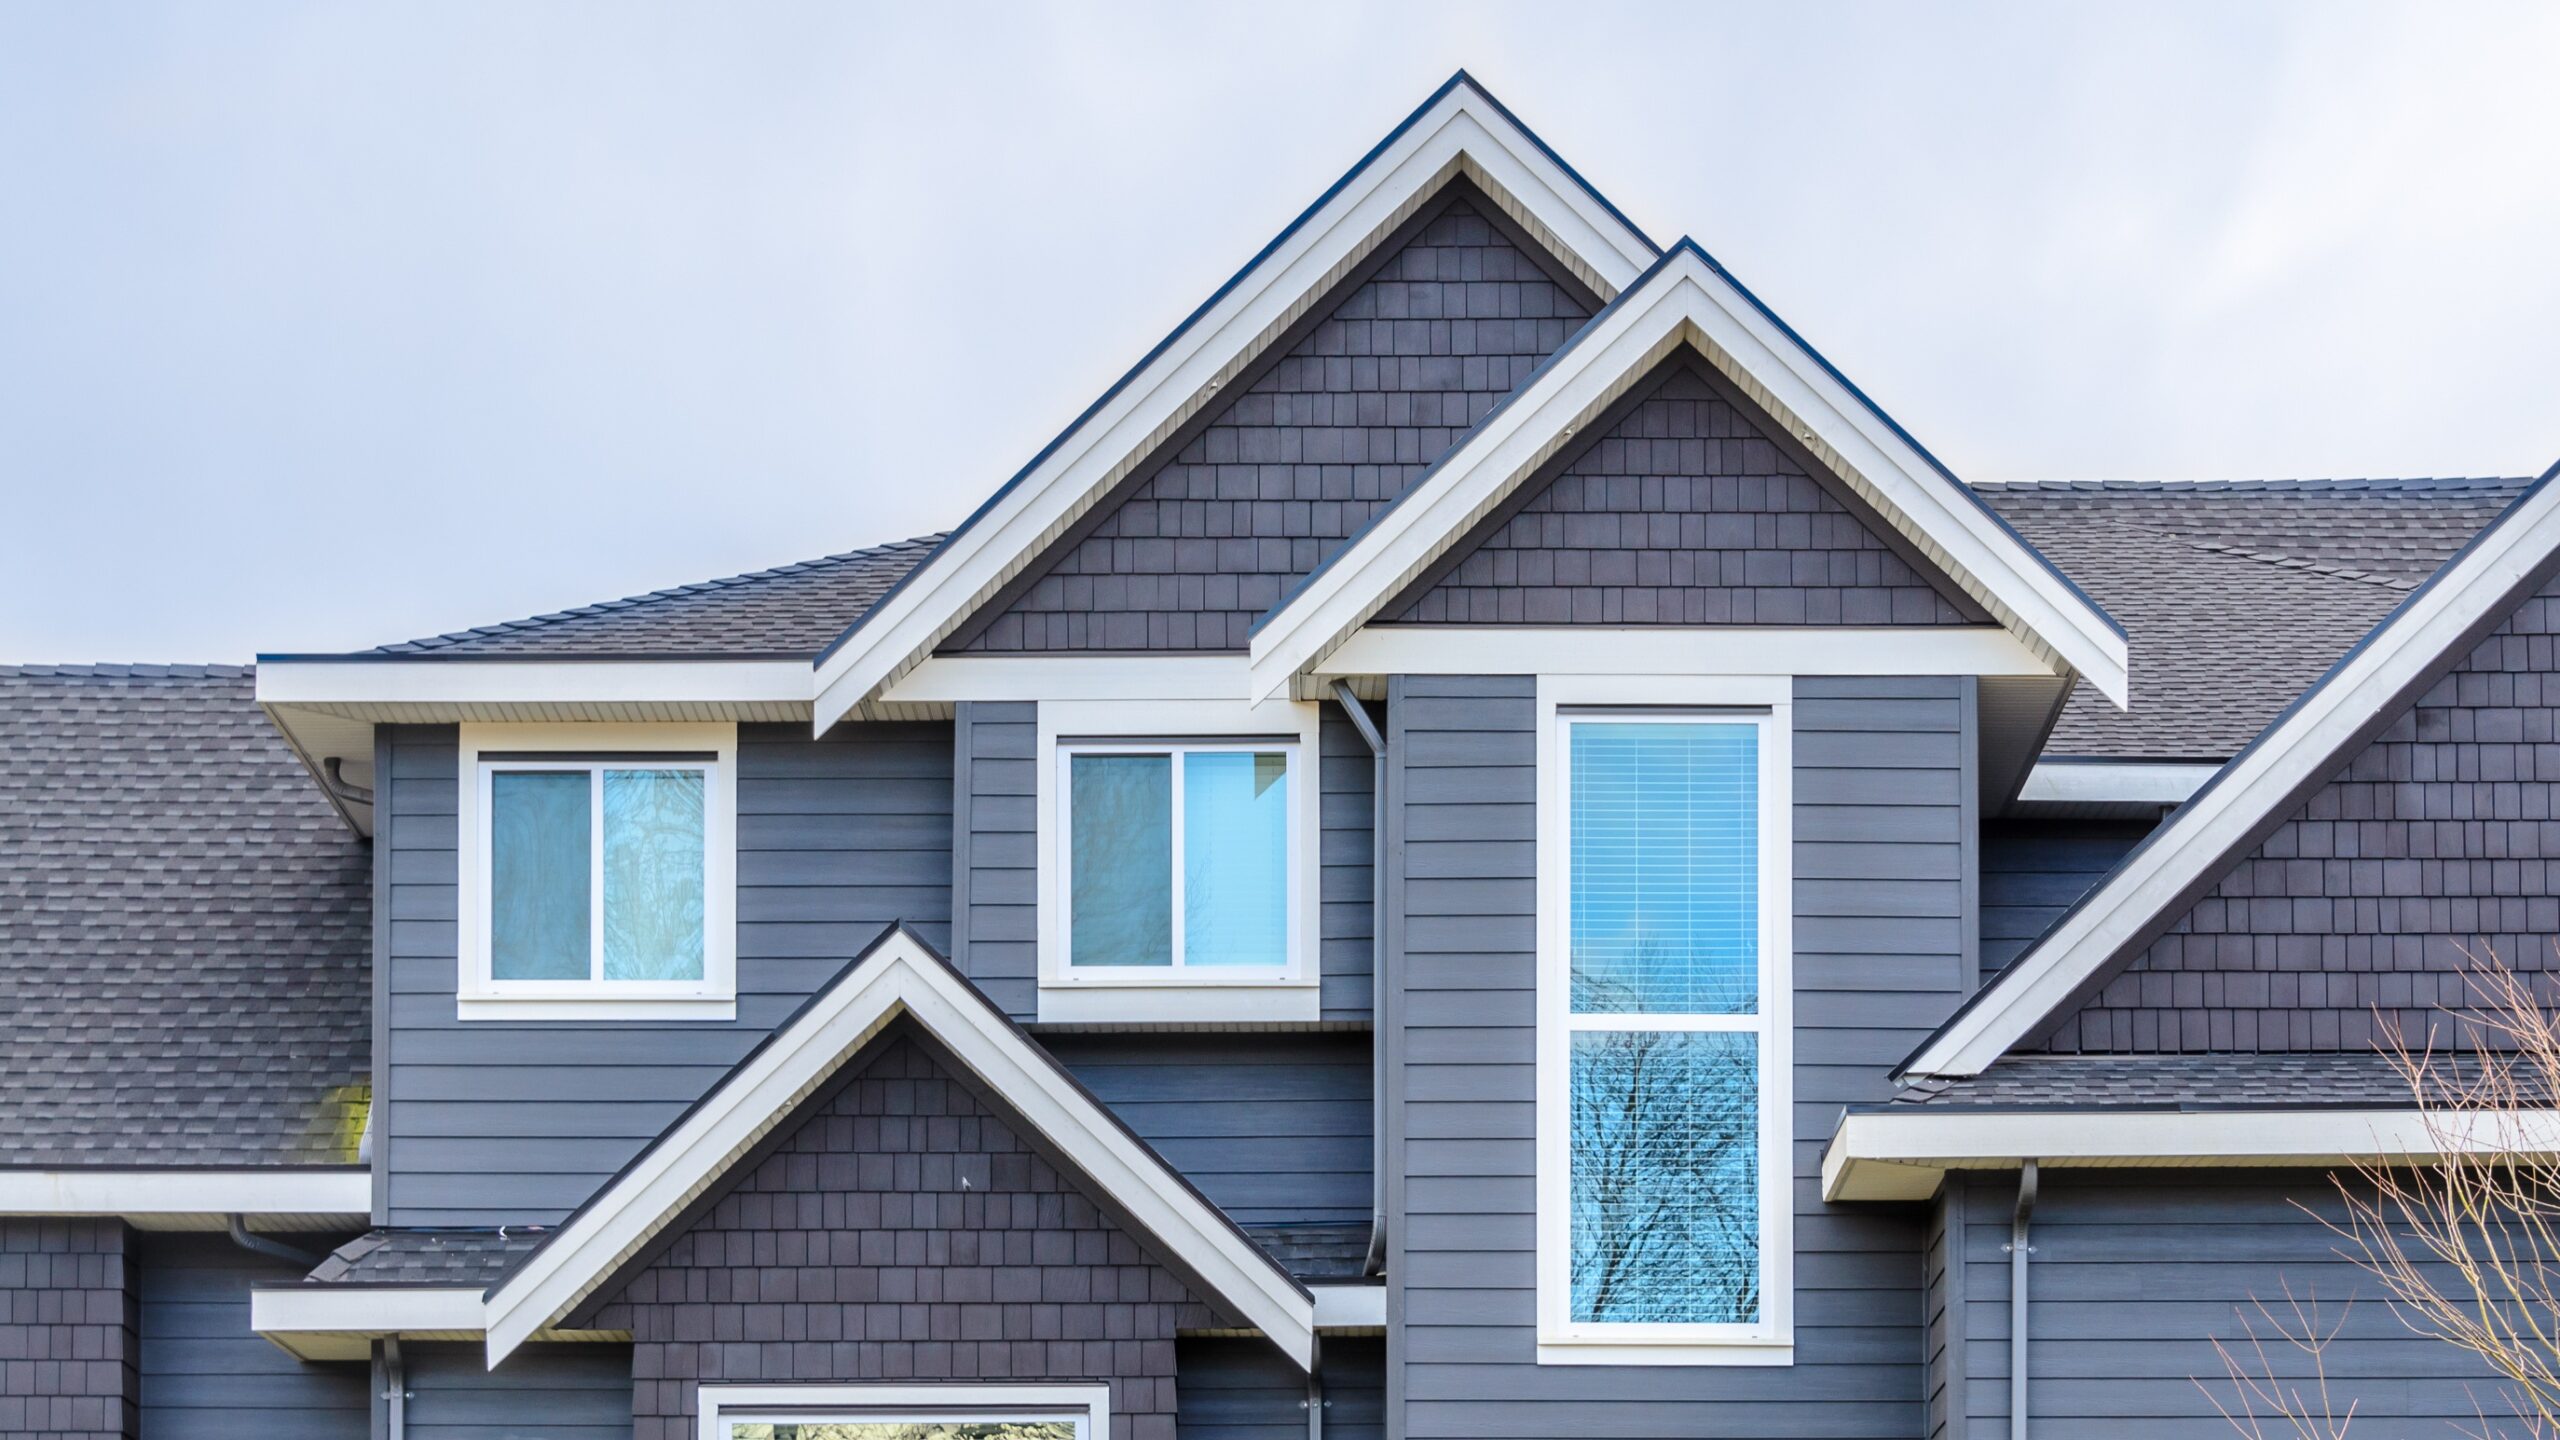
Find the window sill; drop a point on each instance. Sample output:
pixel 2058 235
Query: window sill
pixel 599 1007
pixel 1776 1354
pixel 1096 1001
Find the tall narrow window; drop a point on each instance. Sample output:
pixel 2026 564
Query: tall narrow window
pixel 1662 1034
pixel 1178 857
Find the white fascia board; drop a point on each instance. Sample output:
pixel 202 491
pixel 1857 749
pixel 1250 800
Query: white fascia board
pixel 146 1193
pixel 1463 131
pixel 899 977
pixel 945 679
pixel 2082 782
pixel 1350 1307
pixel 1686 300
pixel 366 1309
pixel 2303 745
pixel 1902 1155
pixel 346 683
pixel 1668 650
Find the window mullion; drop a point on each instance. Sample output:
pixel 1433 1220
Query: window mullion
pixel 595 873
pixel 1173 761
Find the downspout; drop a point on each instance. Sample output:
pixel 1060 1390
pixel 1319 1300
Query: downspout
pixel 2019 1249
pixel 1376 1264
pixel 261 1245
pixel 1315 1401
pixel 395 1390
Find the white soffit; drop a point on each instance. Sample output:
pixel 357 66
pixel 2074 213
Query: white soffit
pixel 1460 130
pixel 2292 755
pixel 2108 782
pixel 1686 300
pixel 898 976
pixel 1903 1154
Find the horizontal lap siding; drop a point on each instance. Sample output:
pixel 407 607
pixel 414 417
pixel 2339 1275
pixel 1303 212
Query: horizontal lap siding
pixel 2034 870
pixel 1273 1128
pixel 1882 954
pixel 206 1375
pixel 553 1391
pixel 1247 1390
pixel 1347 772
pixel 2133 1278
pixel 496 1122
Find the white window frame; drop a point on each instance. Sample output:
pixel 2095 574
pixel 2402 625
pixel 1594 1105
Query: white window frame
pixel 1768 703
pixel 1089 1406
pixel 480 996
pixel 1177 993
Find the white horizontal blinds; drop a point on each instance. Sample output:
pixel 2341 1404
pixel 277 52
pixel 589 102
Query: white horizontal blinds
pixel 1178 858
pixel 1667 1044
pixel 596 872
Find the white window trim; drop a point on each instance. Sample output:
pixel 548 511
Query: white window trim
pixel 714 996
pixel 1177 994
pixel 1771 1341
pixel 1089 1405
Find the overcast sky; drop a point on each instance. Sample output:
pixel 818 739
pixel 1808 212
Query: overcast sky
pixel 326 325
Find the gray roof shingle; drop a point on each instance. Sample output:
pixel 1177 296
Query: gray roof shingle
pixel 793 610
pixel 2235 595
pixel 2364 1079
pixel 185 929
pixel 477 1258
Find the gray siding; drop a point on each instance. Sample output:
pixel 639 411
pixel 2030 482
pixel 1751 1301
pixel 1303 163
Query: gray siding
pixel 904 1230
pixel 1385 375
pixel 1685 508
pixel 1274 1128
pixel 2034 870
pixel 2135 1275
pixel 2355 913
pixel 1882 955
pixel 68 1368
pixel 206 1375
pixel 995 859
pixel 542 1392
pixel 497 1122
pixel 1246 1390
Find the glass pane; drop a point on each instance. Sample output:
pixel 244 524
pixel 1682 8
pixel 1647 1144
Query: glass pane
pixel 539 872
pixel 1666 868
pixel 1235 859
pixel 653 874
pixel 1666 1177
pixel 1121 908
pixel 902 1431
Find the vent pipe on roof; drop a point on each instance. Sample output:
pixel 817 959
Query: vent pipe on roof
pixel 1376 1264
pixel 2019 1249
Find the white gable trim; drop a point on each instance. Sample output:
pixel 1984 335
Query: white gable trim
pixel 1461 130
pixel 899 976
pixel 1904 1154
pixel 2304 744
pixel 1687 300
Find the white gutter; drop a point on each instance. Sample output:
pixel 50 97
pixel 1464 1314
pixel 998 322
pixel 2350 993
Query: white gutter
pixel 2105 782
pixel 202 1195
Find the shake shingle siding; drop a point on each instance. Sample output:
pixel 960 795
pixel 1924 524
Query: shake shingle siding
pixel 2355 913
pixel 2135 1275
pixel 69 1362
pixel 514 1122
pixel 905 1232
pixel 1880 791
pixel 1685 511
pixel 1407 359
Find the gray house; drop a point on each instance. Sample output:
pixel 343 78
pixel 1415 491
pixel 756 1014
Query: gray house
pixel 1483 847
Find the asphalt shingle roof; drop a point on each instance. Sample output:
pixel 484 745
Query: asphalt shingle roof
pixel 2173 1082
pixel 2235 595
pixel 793 610
pixel 185 929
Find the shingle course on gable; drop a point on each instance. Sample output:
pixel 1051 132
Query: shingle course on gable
pixel 2236 594
pixel 2433 848
pixel 1683 512
pixel 185 928
pixel 1406 361
pixel 791 610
